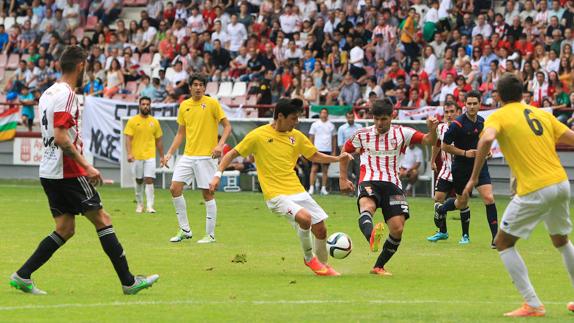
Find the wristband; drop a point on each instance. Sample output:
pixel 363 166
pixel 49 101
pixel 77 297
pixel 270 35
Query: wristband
pixel 217 174
pixel 465 153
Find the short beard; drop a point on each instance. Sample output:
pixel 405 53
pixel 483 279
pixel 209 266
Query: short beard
pixel 145 112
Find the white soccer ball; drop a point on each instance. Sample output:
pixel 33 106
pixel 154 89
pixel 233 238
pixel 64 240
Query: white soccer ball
pixel 339 245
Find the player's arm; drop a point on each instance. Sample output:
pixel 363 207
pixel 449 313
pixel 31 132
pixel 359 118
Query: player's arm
pixel 223 164
pixel 62 140
pixel 434 153
pixel 218 150
pixel 174 145
pixel 345 185
pixel 567 138
pixel 129 147
pixel 159 146
pixel 483 149
pixel 334 144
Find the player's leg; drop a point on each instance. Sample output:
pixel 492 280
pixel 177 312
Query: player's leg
pixel 487 196
pixel 521 216
pixel 559 226
pixel 113 248
pixel 412 177
pixel 324 179
pixel 395 225
pixel 313 177
pixel 21 279
pixel 367 204
pixel 138 171
pixel 149 178
pixel 182 174
pixel 440 194
pixel 204 171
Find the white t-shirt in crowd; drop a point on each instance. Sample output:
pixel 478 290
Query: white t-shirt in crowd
pixel 412 156
pixel 237 34
pixel 324 133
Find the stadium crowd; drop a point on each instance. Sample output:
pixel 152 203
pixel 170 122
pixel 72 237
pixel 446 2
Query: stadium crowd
pixel 417 53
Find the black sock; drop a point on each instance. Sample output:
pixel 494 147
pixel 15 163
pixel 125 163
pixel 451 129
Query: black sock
pixel 492 217
pixel 115 252
pixel 440 222
pixel 366 224
pixel 45 250
pixel 447 206
pixel 389 248
pixel 465 220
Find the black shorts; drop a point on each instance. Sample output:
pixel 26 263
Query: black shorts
pixel 444 186
pixel 326 153
pixel 387 196
pixel 461 174
pixel 71 195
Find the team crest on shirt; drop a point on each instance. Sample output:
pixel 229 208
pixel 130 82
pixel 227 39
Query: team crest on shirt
pixel 393 143
pixel 203 106
pixel 292 139
pixel 151 124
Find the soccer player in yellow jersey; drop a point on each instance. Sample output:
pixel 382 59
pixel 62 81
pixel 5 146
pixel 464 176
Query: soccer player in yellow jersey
pixel 276 148
pixel 198 119
pixel 143 134
pixel 527 138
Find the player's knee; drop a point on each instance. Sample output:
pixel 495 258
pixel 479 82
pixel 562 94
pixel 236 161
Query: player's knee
pixel 488 199
pixel 207 195
pixel 303 218
pixel 559 240
pixel 66 231
pixel 175 190
pixel 397 231
pixel 148 180
pixel 502 243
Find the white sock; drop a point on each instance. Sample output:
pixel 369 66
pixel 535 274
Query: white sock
pixel 211 217
pixel 519 274
pixel 567 252
pixel 149 195
pixel 181 212
pixel 139 193
pixel 305 238
pixel 321 250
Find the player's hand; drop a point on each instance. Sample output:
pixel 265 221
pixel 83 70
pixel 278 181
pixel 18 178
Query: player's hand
pixel 131 158
pixel 489 155
pixel 433 166
pixel 346 186
pixel 432 123
pixel 217 152
pixel 468 190
pixel 94 176
pixel 214 184
pixel 345 155
pixel 470 153
pixel 163 161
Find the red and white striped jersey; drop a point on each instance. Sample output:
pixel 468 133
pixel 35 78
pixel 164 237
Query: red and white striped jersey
pixel 59 108
pixel 445 171
pixel 381 153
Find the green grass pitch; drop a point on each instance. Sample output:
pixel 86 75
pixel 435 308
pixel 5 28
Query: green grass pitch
pixel 441 282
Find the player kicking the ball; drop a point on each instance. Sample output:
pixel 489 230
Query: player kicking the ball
pixel 276 148
pixel 381 147
pixel 527 138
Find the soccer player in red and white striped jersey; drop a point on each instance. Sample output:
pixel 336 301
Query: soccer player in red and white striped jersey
pixel 381 147
pixel 444 184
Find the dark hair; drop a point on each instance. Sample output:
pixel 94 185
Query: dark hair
pixel 452 104
pixel 144 98
pixel 324 109
pixel 473 94
pixel 287 106
pixel 509 88
pixel 197 77
pixel 382 108
pixel 71 57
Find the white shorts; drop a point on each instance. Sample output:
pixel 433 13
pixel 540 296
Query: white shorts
pixel 144 168
pixel 190 168
pixel 549 204
pixel 289 205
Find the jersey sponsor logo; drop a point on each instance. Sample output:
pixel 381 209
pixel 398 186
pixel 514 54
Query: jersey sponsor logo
pixel 382 152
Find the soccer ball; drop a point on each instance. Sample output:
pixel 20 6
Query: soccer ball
pixel 339 245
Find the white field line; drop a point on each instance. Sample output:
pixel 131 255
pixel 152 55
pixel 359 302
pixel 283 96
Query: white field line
pixel 271 302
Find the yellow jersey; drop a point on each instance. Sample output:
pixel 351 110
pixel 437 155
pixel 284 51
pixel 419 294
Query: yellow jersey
pixel 144 132
pixel 201 120
pixel 527 137
pixel 276 155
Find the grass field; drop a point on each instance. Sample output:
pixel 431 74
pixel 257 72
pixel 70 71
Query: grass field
pixel 441 282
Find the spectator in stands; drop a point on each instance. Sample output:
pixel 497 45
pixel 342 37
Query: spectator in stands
pixel 447 88
pixel 237 35
pixel 55 48
pixel 71 13
pixel 3 37
pixel 539 87
pixel 160 91
pixel 221 56
pixel 561 100
pixel 94 86
pixel 178 81
pixel 350 91
pixel 333 83
pixel 45 77
pixel 114 79
pixel 109 11
pixel 27 100
pixel 410 167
